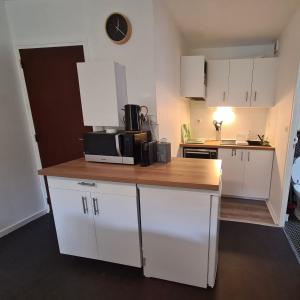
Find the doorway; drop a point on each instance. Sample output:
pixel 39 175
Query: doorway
pixel 53 92
pixel 292 205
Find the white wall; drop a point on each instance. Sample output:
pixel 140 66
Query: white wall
pixel 20 191
pixel 39 22
pixel 266 50
pixel 246 119
pixel 279 120
pixel 172 110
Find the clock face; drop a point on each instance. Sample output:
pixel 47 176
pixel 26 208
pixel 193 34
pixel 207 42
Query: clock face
pixel 118 28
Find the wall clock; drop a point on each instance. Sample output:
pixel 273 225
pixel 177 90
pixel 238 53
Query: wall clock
pixel 118 28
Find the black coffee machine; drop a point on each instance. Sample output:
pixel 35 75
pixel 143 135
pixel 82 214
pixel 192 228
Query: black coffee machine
pixel 132 117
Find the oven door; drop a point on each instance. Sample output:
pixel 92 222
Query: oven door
pixel 200 153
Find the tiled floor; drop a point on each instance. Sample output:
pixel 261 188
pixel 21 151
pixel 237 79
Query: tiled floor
pixel 292 231
pixel 248 211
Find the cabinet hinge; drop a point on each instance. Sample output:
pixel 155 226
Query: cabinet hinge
pixel 144 261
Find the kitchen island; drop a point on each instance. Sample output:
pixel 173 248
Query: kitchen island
pixel 163 218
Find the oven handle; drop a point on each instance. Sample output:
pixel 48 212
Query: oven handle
pixel 197 152
pixel 118 144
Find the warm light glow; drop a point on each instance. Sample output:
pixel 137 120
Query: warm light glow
pixel 224 114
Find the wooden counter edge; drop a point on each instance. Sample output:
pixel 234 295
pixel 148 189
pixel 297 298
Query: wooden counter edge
pixel 211 187
pixel 264 148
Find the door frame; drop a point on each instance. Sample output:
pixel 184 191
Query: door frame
pixel 290 149
pixel 25 97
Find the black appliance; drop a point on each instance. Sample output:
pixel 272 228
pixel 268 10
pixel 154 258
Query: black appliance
pixel 203 153
pixel 148 153
pixel 119 148
pixel 132 117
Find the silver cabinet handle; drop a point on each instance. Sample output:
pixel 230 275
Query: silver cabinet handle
pixel 233 152
pixel 242 155
pixel 87 183
pixel 255 94
pixel 247 94
pixel 248 155
pixel 84 205
pixel 96 207
pixel 224 96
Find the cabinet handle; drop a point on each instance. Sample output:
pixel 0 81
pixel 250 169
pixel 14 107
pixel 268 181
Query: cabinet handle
pixel 84 205
pixel 242 155
pixel 248 155
pixel 233 152
pixel 87 183
pixel 224 96
pixel 255 94
pixel 96 207
pixel 247 93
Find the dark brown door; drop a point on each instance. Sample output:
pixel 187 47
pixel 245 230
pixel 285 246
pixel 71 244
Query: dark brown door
pixel 53 90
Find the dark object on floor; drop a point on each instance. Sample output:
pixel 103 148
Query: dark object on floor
pixel 255 262
pixel 292 231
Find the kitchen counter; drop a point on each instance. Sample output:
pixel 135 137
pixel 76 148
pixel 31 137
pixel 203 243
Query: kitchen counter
pixel 180 172
pixel 217 144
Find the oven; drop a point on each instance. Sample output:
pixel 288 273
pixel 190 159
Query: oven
pixel 204 153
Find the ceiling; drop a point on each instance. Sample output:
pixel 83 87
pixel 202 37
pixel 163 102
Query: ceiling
pixel 217 23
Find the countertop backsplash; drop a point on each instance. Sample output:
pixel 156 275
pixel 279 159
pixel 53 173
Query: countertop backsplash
pixel 244 121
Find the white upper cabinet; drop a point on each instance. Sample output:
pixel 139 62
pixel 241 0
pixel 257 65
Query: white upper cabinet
pixel 217 82
pixel 251 82
pixel 103 92
pixel 193 76
pixel 264 80
pixel 240 79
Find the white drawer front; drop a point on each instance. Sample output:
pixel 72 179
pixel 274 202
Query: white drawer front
pixel 86 185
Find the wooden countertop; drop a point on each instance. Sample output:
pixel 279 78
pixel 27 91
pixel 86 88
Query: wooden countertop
pixel 180 172
pixel 217 144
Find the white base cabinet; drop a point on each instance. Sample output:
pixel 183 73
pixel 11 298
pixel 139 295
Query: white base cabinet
pixel 246 173
pixel 96 220
pixel 74 222
pixel 180 235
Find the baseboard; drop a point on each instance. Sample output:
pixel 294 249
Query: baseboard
pixel 272 212
pixel 23 222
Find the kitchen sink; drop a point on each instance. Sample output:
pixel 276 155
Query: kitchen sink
pixel 228 142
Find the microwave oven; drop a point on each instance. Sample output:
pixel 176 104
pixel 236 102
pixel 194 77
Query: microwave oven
pixel 118 148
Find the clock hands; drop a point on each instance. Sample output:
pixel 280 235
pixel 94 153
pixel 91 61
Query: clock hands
pixel 118 29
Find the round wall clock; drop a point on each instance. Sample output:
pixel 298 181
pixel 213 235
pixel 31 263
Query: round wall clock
pixel 118 28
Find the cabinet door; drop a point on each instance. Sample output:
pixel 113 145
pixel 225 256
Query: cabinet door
pixel 217 82
pixel 117 227
pixel 192 76
pixel 232 171
pixel 240 80
pixel 102 91
pixel 74 222
pixel 258 170
pixel 175 234
pixel 263 85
